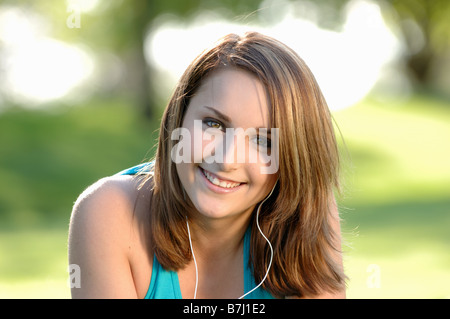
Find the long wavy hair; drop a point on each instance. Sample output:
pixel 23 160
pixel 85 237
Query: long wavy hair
pixel 296 218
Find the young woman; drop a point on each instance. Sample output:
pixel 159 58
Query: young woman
pixel 210 217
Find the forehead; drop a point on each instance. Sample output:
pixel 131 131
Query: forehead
pixel 236 93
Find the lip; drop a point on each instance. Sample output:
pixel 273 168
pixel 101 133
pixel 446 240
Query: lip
pixel 216 188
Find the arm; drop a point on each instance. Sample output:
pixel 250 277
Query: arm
pixel 98 240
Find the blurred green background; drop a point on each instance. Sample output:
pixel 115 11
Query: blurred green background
pixel 83 85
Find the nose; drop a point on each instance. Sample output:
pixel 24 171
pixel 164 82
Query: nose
pixel 232 156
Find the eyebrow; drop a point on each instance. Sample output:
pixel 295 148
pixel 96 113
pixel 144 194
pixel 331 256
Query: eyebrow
pixel 219 114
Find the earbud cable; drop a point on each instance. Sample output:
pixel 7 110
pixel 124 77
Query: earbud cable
pixel 193 256
pixel 262 234
pixel 270 246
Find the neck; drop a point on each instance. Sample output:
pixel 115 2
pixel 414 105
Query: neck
pixel 215 239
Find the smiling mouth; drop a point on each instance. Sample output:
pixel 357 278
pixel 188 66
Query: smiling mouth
pixel 218 182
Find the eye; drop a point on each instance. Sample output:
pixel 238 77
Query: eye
pixel 213 124
pixel 262 141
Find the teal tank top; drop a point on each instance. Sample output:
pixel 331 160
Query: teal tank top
pixel 164 284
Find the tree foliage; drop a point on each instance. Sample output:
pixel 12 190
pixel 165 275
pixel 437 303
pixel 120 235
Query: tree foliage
pixel 121 27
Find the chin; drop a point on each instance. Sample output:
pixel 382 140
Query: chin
pixel 214 211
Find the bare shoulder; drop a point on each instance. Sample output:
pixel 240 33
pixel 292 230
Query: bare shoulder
pixel 104 192
pixel 105 236
pixel 108 204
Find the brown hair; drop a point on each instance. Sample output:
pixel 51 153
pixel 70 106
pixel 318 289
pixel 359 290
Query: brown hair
pixel 296 218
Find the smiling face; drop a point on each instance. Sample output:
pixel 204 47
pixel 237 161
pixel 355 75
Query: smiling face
pixel 224 174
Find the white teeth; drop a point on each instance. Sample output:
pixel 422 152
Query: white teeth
pixel 223 184
pixel 218 182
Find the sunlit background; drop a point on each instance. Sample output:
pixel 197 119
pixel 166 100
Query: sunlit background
pixel 83 85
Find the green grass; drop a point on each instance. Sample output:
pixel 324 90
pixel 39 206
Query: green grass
pixel 409 241
pixel 48 158
pixel 395 206
pixel 33 263
pixel 399 151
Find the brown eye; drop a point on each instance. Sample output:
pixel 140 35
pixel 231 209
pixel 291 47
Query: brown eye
pixel 213 124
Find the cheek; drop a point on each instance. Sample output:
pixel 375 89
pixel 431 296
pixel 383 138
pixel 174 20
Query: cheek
pixel 263 183
pixel 192 146
pixel 200 147
pixel 204 145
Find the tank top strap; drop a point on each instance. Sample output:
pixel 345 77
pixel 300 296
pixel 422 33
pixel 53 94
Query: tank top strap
pixel 164 283
pixel 249 280
pixel 144 168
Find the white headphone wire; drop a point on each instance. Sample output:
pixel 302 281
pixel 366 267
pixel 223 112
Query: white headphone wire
pixel 262 234
pixel 270 245
pixel 195 261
